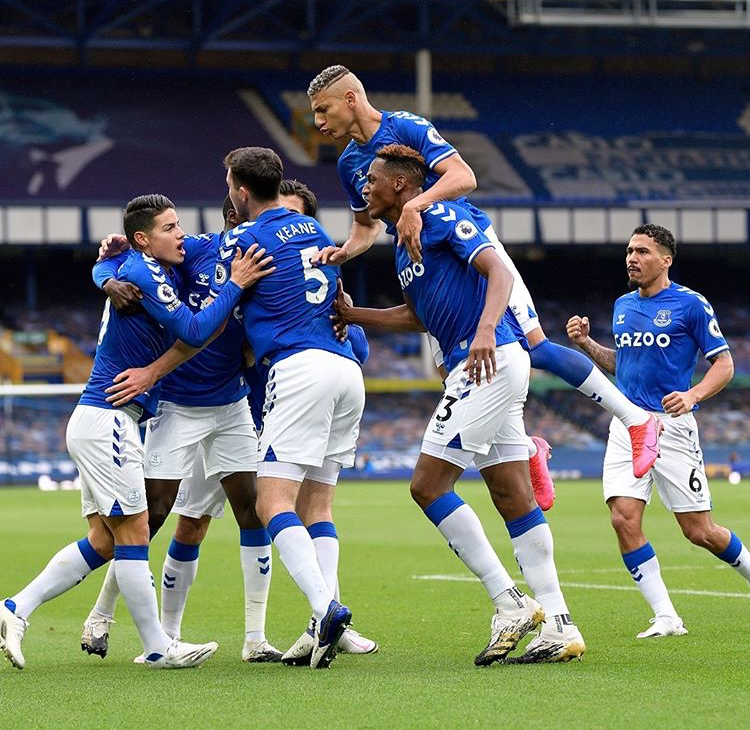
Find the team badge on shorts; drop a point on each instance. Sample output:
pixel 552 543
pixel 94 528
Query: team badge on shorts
pixel 663 317
pixel 134 496
pixel 154 458
pixel 180 499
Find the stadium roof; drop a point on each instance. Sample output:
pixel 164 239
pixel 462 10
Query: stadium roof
pixel 496 27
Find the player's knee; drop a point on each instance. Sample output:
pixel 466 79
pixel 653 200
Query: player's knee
pixel 102 542
pixel 423 492
pixel 699 535
pixel 191 531
pixel 157 516
pixel 623 523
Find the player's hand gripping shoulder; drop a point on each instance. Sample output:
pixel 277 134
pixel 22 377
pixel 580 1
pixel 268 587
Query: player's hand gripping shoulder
pixel 578 329
pixel 342 306
pixel 409 228
pixel 125 297
pixel 250 268
pixel 330 255
pixel 113 244
pixel 482 355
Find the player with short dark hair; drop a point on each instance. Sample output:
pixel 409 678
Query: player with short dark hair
pixel 200 450
pixel 296 193
pixel 659 328
pixel 104 441
pixel 341 108
pixel 315 391
pixel 459 292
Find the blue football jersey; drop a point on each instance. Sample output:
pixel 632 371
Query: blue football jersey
pixel 289 310
pixel 214 376
pixel 398 128
pixel 447 292
pixel 658 339
pixel 136 340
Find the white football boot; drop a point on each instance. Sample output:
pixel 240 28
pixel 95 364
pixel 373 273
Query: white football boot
pixel 181 655
pixel 558 640
pixel 299 653
pixel 352 642
pixel 509 626
pixel 257 651
pixel 663 626
pixel 12 630
pixel 95 636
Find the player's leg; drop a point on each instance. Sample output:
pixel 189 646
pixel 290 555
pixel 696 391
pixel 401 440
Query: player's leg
pixel 577 370
pixel 180 570
pixel 257 565
pixel 198 500
pixel 627 498
pixel 172 438
pixel 464 425
pixel 231 453
pixel 160 493
pixel 559 638
pixel 681 480
pixel 506 474
pixel 277 496
pixel 315 508
pixel 131 534
pixel 701 530
pixel 66 569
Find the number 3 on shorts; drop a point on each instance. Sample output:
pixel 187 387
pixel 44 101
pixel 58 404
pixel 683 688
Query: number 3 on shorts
pixel 313 274
pixel 447 403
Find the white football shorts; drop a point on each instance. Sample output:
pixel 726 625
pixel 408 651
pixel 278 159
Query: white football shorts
pixel 198 495
pixel 226 432
pixel 314 402
pixel 678 474
pixel 482 424
pixel 105 445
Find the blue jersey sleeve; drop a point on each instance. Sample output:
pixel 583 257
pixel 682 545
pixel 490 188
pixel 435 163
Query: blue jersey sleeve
pixel 240 236
pixel 345 168
pixel 360 345
pixel 161 302
pixel 704 327
pixel 422 136
pixel 108 268
pixel 445 222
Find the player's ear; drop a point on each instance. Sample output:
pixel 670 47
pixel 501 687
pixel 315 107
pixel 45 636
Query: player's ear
pixel 399 183
pixel 141 240
pixel 351 98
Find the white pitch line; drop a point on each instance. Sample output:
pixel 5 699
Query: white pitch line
pixel 591 586
pixel 589 571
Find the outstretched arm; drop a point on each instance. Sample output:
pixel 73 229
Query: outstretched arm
pixel 578 331
pixel 362 235
pixel 393 319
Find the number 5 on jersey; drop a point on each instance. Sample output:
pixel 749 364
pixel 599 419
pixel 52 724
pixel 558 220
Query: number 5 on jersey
pixel 313 274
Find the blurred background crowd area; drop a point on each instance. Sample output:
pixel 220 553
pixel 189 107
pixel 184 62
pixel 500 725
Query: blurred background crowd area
pixel 580 119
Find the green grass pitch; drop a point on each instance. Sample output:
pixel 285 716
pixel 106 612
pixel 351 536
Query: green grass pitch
pixel 429 630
